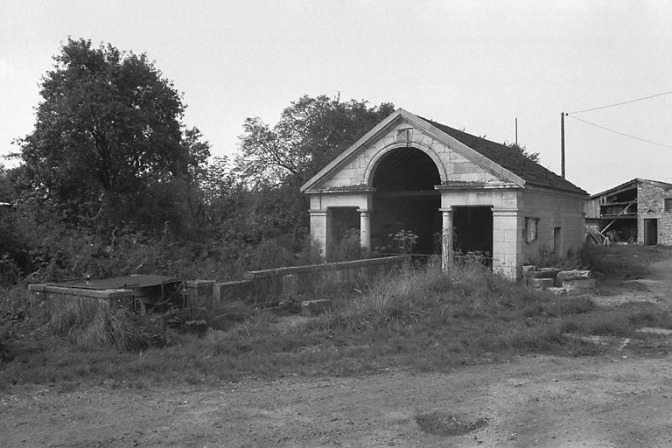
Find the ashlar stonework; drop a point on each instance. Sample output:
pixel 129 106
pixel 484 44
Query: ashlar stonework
pixel 460 194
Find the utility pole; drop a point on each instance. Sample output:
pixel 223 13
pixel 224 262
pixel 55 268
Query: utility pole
pixel 562 142
pixel 516 131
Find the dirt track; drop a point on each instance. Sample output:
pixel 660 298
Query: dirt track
pixel 622 400
pixel 550 402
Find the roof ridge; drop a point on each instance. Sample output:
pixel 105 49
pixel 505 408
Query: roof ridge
pixel 513 160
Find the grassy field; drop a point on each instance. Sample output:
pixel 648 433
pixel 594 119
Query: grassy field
pixel 417 319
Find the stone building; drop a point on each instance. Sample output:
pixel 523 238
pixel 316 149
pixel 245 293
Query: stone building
pixel 455 191
pixel 638 211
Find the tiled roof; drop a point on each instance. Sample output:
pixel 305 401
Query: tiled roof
pixel 511 160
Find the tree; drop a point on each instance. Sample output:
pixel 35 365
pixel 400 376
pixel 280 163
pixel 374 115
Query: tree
pixel 311 132
pixel 275 161
pixel 108 129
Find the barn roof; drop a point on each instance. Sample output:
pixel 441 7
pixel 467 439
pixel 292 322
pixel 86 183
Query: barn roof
pixel 632 184
pixel 510 159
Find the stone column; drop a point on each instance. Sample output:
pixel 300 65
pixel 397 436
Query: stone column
pixel 507 242
pixel 320 228
pixel 365 227
pixel 447 238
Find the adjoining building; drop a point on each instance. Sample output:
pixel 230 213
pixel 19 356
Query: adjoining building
pixel 638 211
pixel 452 189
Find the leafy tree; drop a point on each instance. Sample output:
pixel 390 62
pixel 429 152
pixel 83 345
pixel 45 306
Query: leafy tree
pixel 108 136
pixel 311 132
pixel 275 161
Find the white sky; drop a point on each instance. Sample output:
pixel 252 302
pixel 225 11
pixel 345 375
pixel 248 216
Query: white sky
pixel 472 65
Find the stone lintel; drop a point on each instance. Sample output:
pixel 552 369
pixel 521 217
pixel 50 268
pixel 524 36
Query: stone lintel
pixel 457 185
pixel 293 270
pixel 343 190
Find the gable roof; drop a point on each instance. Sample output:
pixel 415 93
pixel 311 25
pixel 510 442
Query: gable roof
pixel 512 160
pixel 508 161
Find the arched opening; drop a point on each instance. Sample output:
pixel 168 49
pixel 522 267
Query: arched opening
pixel 405 200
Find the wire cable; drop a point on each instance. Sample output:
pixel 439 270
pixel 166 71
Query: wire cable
pixel 622 103
pixel 620 133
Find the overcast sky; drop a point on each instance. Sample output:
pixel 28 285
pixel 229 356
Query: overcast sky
pixel 472 65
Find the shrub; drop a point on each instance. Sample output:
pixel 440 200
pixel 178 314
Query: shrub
pixel 348 248
pixel 102 325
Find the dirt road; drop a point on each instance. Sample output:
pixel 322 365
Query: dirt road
pixel 620 400
pixel 547 402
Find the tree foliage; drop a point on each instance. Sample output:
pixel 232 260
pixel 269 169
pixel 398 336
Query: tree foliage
pixel 274 161
pixel 311 132
pixel 109 164
pixel 108 135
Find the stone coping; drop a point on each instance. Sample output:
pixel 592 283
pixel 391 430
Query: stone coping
pixel 268 273
pixel 92 293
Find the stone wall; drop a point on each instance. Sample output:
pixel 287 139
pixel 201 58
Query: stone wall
pixel 57 299
pixel 274 285
pixel 651 205
pixel 552 211
pixel 260 287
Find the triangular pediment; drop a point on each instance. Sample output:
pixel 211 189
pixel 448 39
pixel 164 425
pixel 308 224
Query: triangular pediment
pixel 457 163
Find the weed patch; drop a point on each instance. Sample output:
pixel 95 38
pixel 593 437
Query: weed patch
pixel 420 318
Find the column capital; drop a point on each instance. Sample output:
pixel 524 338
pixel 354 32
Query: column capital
pixel 446 209
pixel 318 212
pixel 364 210
pixel 505 211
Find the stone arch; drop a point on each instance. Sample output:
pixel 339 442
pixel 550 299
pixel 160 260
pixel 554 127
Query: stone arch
pixel 403 178
pixel 378 157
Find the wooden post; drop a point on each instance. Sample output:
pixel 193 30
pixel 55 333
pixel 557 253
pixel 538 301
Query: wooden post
pixel 562 142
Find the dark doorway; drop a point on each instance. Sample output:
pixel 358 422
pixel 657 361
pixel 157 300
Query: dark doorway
pixel 557 241
pixel 472 231
pixel 345 222
pixel 405 199
pixel 651 231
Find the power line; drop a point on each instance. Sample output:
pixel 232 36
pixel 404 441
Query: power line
pixel 620 133
pixel 620 104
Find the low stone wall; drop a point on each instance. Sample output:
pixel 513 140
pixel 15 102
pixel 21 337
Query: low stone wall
pixel 274 285
pixel 57 299
pixel 260 287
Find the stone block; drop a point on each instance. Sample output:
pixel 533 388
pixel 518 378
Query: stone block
pixel 580 291
pixel 546 273
pixel 574 275
pixel 585 283
pixel 314 307
pixel 557 291
pixel 540 283
pixel 200 291
pixel 528 270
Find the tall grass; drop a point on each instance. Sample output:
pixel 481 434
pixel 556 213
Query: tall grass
pixel 102 325
pixel 417 318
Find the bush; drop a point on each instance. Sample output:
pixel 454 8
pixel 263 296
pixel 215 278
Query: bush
pixel 10 273
pixel 102 325
pixel 348 248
